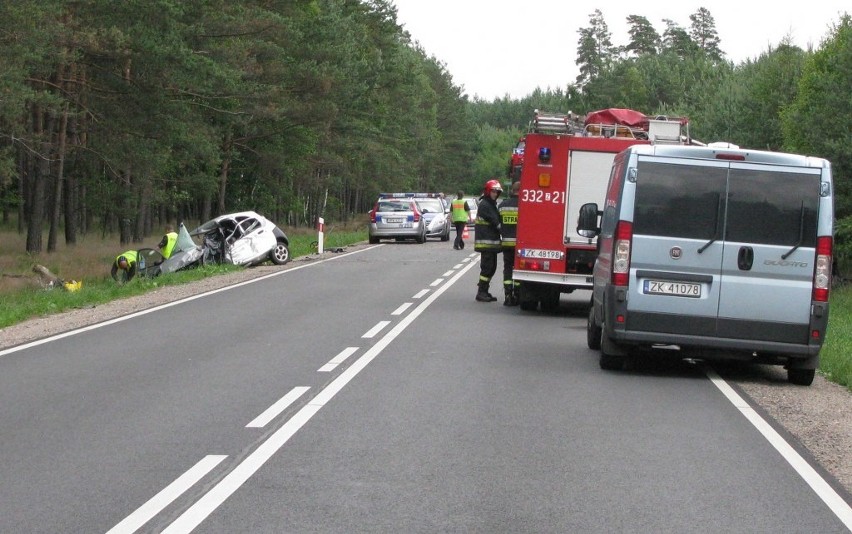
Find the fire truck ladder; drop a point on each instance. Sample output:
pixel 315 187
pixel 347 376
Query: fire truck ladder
pixel 555 123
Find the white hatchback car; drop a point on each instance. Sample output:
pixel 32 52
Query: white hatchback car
pixel 244 238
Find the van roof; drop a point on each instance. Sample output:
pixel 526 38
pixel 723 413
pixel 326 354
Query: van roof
pixel 725 153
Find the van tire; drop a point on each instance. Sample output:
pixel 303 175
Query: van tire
pixel 613 356
pixel 593 331
pixel 801 377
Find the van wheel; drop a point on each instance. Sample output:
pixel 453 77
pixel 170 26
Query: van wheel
pixel 613 356
pixel 593 331
pixel 801 377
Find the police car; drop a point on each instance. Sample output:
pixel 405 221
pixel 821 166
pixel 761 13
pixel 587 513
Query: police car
pixel 397 216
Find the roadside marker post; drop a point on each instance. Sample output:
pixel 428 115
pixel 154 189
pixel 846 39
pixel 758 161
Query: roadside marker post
pixel 320 232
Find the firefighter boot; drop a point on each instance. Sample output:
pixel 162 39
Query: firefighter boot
pixel 516 296
pixel 507 296
pixel 482 294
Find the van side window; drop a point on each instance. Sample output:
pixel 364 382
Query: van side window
pixel 678 200
pixel 772 208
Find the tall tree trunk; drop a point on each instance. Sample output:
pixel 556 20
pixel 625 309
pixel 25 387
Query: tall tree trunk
pixel 58 185
pixel 35 219
pixel 23 180
pixel 223 175
pixel 124 221
pixel 143 216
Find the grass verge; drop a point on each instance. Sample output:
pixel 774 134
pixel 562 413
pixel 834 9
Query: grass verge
pixel 836 355
pixel 91 265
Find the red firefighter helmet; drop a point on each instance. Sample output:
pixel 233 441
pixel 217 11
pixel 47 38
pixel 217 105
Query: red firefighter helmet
pixel 493 185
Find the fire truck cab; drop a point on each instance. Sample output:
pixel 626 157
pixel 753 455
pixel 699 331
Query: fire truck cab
pixel 567 162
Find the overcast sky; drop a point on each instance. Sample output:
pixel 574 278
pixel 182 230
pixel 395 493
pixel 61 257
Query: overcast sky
pixel 497 47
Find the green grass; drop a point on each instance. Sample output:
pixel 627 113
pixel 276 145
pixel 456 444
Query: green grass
pixel 836 354
pixel 25 303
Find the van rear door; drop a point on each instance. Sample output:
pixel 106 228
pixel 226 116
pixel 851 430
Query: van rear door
pixel 769 251
pixel 676 257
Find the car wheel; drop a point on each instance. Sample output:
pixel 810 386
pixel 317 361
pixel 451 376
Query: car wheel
pixel 421 238
pixel 374 240
pixel 280 254
pixel 801 377
pixel 593 331
pixel 446 236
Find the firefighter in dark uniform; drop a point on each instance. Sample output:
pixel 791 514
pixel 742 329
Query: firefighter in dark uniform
pixel 508 233
pixel 487 239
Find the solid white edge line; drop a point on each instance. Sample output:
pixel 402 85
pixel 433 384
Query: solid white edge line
pixel 402 308
pixel 205 506
pixel 337 360
pixel 823 490
pixel 376 329
pixel 169 304
pixel 158 502
pixel 421 293
pixel 275 410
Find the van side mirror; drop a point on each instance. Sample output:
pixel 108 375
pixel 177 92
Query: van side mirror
pixel 587 222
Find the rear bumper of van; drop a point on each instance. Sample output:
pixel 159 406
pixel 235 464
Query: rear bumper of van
pixel 795 341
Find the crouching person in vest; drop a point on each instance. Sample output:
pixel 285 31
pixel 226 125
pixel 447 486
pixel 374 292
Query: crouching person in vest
pixel 487 238
pixel 124 267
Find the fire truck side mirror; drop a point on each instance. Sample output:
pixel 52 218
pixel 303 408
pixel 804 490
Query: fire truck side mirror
pixel 587 222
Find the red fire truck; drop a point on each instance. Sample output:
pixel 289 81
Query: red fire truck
pixel 567 162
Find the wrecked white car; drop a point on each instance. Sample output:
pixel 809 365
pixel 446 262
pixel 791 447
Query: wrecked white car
pixel 245 238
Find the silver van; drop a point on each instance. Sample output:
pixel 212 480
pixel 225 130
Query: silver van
pixel 721 252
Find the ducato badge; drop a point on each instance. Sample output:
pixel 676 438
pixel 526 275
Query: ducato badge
pixel 676 253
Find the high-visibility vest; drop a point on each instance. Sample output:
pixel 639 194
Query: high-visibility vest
pixel 171 240
pixel 130 255
pixel 460 213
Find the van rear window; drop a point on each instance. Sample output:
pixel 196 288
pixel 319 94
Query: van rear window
pixel 772 208
pixel 764 206
pixel 678 200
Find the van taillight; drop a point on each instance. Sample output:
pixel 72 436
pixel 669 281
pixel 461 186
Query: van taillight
pixel 621 253
pixel 822 271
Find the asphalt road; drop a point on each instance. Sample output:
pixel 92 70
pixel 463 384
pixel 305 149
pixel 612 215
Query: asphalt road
pixel 371 393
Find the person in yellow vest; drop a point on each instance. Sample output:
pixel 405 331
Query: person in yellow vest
pixel 460 213
pixel 167 244
pixel 124 266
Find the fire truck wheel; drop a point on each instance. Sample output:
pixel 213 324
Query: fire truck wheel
pixel 526 301
pixel 550 302
pixel 593 331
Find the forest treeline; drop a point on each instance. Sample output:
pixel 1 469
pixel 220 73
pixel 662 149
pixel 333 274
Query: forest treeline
pixel 121 117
